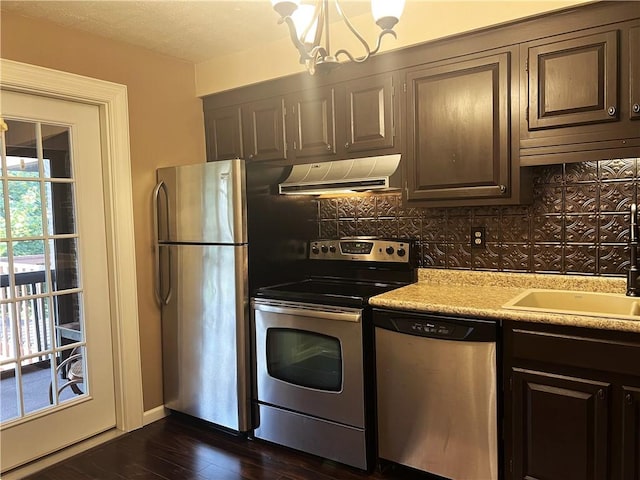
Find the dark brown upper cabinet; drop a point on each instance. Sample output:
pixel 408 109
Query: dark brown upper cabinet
pixel 579 90
pixel 223 132
pixel 350 119
pixel 311 124
pixel 634 72
pixel 370 114
pixel 574 81
pixel 459 121
pixel 264 130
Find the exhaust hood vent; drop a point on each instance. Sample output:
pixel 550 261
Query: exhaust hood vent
pixel 343 176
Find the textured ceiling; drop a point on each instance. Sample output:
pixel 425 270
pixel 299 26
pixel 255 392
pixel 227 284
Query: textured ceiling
pixel 194 30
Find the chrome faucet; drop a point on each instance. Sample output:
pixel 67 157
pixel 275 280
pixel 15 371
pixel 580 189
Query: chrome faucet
pixel 633 290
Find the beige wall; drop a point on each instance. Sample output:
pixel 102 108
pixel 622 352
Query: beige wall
pixel 421 21
pixel 166 128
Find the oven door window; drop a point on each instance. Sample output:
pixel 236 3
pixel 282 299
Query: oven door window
pixel 303 358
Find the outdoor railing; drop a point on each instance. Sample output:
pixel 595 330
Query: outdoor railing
pixel 34 329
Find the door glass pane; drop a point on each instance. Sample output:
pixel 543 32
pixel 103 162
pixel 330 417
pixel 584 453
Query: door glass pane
pixel 304 358
pixel 8 393
pixel 64 263
pixel 68 327
pixel 34 327
pixel 56 151
pixel 25 208
pixel 21 149
pixel 7 350
pixel 60 208
pixel 36 380
pixel 69 374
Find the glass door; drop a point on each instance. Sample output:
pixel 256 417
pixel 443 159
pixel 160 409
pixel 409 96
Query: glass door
pixel 56 366
pixel 41 336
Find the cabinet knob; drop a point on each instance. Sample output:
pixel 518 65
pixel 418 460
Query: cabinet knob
pixel 251 156
pixel 611 111
pixel 601 394
pixel 629 398
pixel 503 189
pixel 347 145
pixel 329 147
pixel 636 108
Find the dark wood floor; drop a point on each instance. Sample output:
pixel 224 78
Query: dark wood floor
pixel 178 448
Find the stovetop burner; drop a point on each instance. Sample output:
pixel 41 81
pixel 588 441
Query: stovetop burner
pixel 347 272
pixel 332 292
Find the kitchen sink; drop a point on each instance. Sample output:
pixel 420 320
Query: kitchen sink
pixel 592 304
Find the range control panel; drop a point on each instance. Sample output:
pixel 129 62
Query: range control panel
pixel 359 249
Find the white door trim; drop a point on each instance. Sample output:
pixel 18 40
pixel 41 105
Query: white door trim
pixel 111 98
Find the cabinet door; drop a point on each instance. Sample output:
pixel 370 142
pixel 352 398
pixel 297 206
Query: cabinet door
pixel 631 433
pixel 223 133
pixel 560 427
pixel 370 114
pixel 313 123
pixel 263 125
pixel 634 72
pixel 458 124
pixel 574 81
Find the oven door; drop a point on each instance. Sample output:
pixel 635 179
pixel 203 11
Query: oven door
pixel 309 359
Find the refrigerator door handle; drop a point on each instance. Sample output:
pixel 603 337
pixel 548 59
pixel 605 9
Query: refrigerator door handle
pixel 162 300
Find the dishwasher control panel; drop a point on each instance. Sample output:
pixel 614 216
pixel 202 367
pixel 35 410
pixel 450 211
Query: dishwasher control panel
pixel 436 326
pixel 426 328
pixel 431 328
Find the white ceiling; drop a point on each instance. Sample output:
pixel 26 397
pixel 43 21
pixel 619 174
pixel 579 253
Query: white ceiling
pixel 193 30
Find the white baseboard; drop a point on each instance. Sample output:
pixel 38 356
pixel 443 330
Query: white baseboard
pixel 154 415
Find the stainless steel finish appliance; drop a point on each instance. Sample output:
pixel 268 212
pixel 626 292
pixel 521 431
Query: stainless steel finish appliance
pixel 313 344
pixel 201 267
pixel 436 393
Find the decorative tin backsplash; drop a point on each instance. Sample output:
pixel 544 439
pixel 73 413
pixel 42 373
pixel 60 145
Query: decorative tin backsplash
pixel 577 223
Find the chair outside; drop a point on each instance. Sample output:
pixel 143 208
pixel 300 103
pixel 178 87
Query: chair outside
pixel 72 371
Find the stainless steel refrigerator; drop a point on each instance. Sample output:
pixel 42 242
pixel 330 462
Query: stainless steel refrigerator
pixel 201 284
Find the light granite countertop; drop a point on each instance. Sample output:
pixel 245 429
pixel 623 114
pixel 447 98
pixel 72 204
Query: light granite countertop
pixel 482 295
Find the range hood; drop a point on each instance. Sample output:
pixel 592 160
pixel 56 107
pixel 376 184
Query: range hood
pixel 343 176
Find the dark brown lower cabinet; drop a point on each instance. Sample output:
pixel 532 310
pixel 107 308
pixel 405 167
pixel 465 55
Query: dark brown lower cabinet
pixel 571 404
pixel 562 423
pixel 631 433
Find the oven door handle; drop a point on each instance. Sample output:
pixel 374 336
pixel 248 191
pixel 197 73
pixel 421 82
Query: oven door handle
pixel 343 315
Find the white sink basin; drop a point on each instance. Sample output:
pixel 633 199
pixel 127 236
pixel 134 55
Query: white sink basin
pixel 608 305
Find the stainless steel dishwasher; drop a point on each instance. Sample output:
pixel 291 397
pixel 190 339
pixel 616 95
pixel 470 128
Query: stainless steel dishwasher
pixel 436 382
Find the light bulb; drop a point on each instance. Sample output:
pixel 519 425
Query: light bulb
pixel 386 13
pixel 285 7
pixel 303 18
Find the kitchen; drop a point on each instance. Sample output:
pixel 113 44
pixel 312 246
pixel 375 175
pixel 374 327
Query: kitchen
pixel 514 242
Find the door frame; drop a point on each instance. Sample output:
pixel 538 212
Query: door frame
pixel 111 99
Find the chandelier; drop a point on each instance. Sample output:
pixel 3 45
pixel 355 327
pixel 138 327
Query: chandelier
pixel 309 30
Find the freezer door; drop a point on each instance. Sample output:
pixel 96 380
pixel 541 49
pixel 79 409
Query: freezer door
pixel 205 333
pixel 203 203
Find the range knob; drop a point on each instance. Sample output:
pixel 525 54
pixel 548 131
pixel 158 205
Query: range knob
pixel 390 250
pixel 315 250
pixel 401 252
pixel 324 249
pixel 332 248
